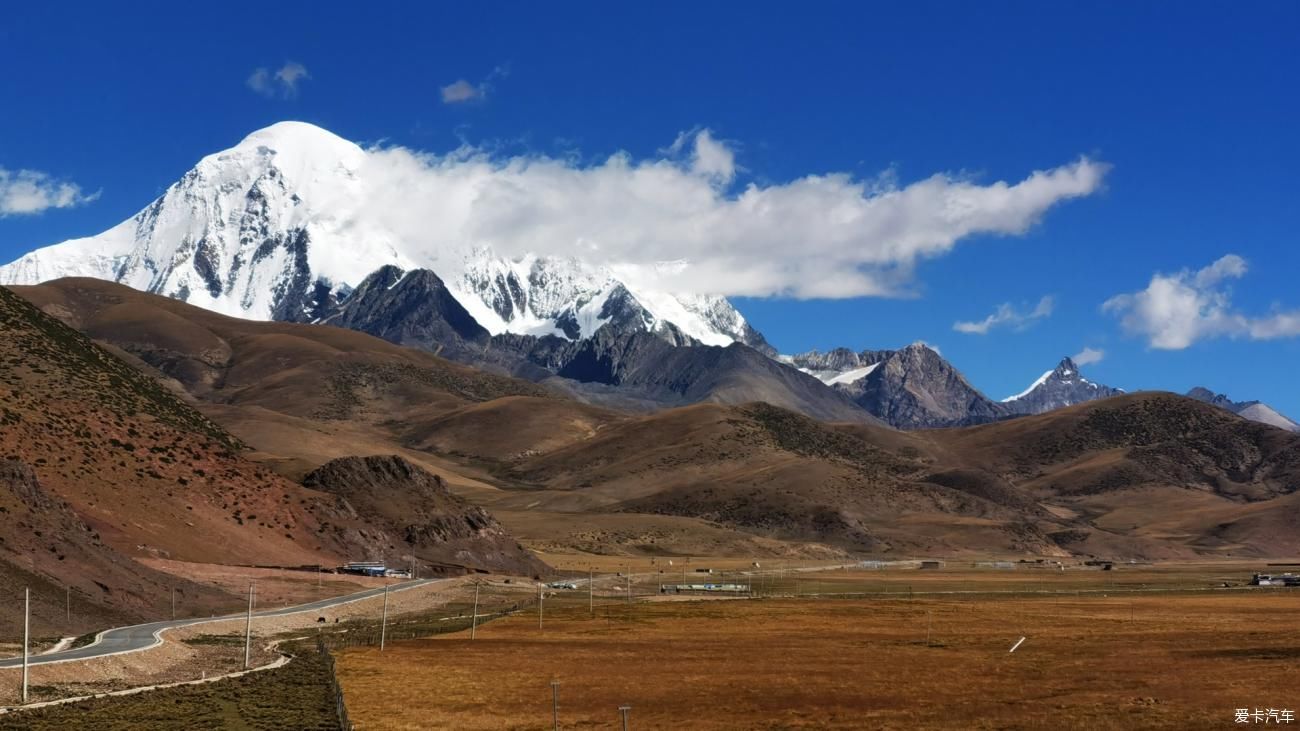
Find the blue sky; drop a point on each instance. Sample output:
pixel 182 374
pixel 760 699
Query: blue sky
pixel 1194 110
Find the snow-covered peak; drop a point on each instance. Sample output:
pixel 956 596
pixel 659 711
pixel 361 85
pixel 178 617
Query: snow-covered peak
pixel 300 138
pixel 314 159
pixel 280 227
pixel 1066 369
pixel 1062 386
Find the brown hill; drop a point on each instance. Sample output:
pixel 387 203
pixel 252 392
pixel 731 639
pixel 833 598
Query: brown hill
pixel 146 471
pixel 306 394
pixel 1144 475
pixel 1149 465
pixel 147 474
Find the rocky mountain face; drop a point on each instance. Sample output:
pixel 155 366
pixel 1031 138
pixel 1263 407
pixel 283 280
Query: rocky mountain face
pixel 420 516
pixel 411 308
pixel 911 388
pixel 1253 410
pixel 673 375
pixel 916 388
pixel 623 363
pixel 1060 387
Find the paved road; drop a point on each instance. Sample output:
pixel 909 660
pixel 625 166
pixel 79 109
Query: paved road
pixel 144 636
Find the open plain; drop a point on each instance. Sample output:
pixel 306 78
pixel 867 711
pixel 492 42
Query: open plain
pixel 919 650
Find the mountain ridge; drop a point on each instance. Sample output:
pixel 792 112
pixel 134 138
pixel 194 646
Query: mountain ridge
pixel 1253 410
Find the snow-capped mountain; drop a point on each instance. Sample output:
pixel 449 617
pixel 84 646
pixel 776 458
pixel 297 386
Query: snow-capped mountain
pixel 277 228
pixel 1253 410
pixel 1060 387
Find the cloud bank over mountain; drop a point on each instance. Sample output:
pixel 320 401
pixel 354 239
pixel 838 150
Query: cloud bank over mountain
pixel 681 221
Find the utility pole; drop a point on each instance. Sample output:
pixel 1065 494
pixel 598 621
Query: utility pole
pixel 67 602
pixel 623 710
pixel 540 598
pixel 27 633
pixel 383 623
pixel 173 604
pixel 555 704
pixel 591 580
pixel 473 623
pixel 248 630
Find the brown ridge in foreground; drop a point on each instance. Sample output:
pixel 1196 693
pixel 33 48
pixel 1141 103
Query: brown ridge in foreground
pixel 1147 475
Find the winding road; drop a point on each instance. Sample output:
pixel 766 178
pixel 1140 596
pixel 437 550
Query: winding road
pixel 144 636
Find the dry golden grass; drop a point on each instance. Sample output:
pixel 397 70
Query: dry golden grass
pixel 1143 661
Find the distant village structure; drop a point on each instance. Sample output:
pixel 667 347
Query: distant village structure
pixel 1287 579
pixel 373 568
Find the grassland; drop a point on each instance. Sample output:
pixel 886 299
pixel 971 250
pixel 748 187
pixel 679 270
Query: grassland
pixel 1146 650
pixel 295 696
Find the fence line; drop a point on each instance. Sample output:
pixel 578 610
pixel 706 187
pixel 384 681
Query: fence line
pixel 369 635
pixel 336 690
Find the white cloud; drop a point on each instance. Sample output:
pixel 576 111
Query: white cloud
pixel 1007 315
pixel 281 83
pixel 818 236
pixel 709 157
pixel 1176 310
pixel 461 91
pixel 1088 356
pixel 25 192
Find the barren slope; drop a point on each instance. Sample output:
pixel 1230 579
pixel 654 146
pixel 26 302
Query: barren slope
pixel 108 465
pixel 1144 475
